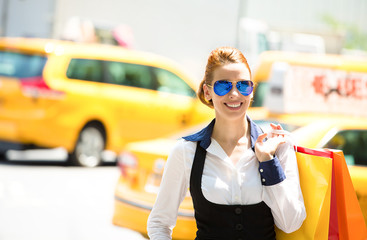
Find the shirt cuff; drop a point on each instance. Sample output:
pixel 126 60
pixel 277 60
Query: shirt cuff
pixel 271 172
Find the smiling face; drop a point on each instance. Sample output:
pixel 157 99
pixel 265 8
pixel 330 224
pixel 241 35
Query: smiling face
pixel 233 105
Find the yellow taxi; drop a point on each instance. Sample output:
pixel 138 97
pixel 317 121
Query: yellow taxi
pixel 142 165
pixel 88 100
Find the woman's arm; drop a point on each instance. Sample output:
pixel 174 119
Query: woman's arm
pixel 172 191
pixel 280 179
pixel 285 197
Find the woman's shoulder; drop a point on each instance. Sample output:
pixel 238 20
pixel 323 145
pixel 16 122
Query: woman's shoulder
pixel 183 145
pixel 182 153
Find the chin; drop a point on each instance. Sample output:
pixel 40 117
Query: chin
pixel 233 116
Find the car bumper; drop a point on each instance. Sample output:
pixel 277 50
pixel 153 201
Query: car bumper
pixel 132 210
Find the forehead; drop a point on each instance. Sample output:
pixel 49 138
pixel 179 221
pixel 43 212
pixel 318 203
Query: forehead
pixel 232 71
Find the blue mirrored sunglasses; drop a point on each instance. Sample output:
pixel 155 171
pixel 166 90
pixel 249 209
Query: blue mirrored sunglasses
pixel 222 87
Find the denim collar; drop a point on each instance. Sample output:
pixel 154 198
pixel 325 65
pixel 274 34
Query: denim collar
pixel 204 135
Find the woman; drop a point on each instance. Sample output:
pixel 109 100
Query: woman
pixel 241 180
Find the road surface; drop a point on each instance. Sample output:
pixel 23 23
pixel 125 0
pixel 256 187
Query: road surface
pixel 50 201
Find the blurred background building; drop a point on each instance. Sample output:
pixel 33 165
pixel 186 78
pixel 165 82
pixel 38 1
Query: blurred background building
pixel 187 30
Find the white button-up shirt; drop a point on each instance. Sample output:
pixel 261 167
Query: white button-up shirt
pixel 226 183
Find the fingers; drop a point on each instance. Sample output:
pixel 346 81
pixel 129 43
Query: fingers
pixel 276 127
pixel 278 138
pixel 261 137
pixel 269 147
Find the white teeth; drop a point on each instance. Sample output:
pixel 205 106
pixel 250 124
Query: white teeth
pixel 233 105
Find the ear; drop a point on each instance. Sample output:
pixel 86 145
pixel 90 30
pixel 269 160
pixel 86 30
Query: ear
pixel 207 92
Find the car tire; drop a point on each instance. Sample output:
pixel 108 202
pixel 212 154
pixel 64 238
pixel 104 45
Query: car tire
pixel 89 147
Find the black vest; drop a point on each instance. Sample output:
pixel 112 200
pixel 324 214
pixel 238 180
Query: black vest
pixel 227 222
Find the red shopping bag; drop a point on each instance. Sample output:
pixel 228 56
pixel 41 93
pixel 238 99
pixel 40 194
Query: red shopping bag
pixel 332 208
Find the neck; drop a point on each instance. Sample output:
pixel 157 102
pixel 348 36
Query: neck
pixel 230 130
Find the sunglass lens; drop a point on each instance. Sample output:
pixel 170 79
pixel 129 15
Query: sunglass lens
pixel 245 87
pixel 221 88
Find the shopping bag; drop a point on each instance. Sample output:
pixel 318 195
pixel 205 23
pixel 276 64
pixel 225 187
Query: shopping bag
pixel 351 222
pixel 331 204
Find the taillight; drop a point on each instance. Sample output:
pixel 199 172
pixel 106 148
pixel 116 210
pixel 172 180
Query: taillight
pixel 37 87
pixel 128 165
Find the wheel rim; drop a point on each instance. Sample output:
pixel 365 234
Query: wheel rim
pixel 89 147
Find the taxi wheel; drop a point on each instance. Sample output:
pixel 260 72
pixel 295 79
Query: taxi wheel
pixel 89 147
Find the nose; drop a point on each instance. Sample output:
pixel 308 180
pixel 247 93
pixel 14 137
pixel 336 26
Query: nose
pixel 234 92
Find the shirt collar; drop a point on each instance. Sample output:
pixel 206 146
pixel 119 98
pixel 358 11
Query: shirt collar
pixel 204 135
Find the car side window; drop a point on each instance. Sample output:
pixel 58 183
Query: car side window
pixel 170 82
pixel 21 65
pixel 85 69
pixel 354 146
pixel 128 74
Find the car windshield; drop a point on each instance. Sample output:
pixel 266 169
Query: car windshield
pixel 21 65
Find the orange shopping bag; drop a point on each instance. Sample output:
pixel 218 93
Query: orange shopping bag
pixel 331 203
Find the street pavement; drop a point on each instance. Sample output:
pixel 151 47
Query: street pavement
pixel 54 202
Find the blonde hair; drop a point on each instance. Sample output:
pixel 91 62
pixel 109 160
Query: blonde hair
pixel 217 58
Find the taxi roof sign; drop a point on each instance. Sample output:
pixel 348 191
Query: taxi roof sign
pixel 295 88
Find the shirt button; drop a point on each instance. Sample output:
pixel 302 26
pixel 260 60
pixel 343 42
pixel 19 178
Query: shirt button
pixel 238 210
pixel 261 170
pixel 239 227
pixel 263 179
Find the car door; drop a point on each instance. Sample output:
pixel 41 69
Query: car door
pixel 143 107
pixel 21 92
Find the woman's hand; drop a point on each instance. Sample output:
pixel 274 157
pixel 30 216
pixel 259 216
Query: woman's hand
pixel 265 150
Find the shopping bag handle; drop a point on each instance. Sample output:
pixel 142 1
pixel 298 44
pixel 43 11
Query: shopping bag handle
pixel 310 151
pixel 316 152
